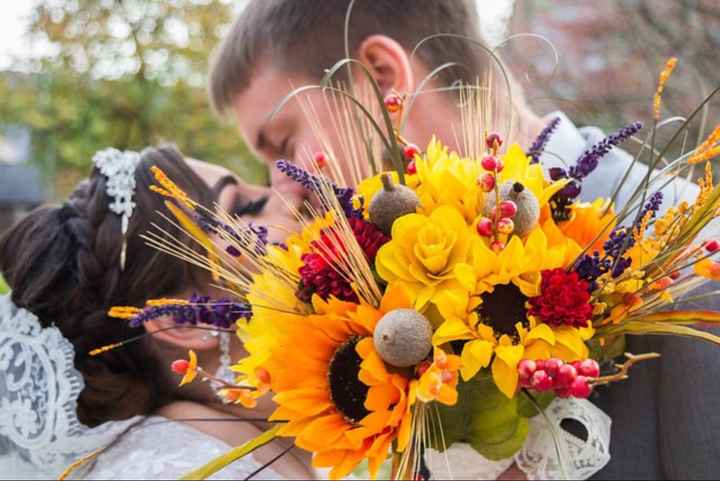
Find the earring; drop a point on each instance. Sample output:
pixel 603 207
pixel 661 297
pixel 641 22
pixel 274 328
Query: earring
pixel 224 372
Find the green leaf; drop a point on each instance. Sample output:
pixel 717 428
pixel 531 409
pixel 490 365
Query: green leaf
pixel 509 445
pixel 484 418
pixel 527 410
pixel 615 347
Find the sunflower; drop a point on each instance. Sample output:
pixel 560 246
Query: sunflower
pixel 274 300
pixel 492 313
pixel 332 389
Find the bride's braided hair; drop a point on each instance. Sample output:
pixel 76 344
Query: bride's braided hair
pixel 62 263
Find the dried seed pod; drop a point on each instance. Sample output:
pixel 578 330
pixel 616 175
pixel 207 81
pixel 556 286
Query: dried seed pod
pixel 391 203
pixel 403 337
pixel 528 206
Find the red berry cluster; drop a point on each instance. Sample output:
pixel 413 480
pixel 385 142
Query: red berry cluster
pixel 567 380
pixel 501 219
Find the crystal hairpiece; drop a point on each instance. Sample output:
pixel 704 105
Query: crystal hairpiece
pixel 119 169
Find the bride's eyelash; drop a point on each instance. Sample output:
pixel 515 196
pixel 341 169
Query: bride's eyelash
pixel 245 207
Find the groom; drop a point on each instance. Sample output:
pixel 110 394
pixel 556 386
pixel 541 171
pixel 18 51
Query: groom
pixel 666 418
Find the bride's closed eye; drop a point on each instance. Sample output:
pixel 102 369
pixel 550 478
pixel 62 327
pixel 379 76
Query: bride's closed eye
pixel 235 202
pixel 245 207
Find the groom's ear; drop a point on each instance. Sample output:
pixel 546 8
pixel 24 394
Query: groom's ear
pixel 388 63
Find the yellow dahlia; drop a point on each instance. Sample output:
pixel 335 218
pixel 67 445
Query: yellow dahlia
pixel 491 313
pixel 424 252
pixel 445 179
pixel 332 389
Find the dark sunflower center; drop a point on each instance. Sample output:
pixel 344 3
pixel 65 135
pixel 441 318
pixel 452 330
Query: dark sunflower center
pixel 503 308
pixel 347 391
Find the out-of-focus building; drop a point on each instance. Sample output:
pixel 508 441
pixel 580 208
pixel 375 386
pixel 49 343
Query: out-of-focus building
pixel 21 185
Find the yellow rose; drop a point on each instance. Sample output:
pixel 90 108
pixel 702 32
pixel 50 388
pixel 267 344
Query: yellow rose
pixel 424 251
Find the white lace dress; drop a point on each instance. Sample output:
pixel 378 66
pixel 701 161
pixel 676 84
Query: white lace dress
pixel 160 449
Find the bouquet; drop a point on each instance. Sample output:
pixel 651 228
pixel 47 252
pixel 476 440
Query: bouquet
pixel 447 298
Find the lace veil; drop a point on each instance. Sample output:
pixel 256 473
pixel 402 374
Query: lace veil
pixel 40 434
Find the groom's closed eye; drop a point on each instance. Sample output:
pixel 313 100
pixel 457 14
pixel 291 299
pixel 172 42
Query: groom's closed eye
pixel 274 140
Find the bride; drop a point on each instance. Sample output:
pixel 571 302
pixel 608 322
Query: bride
pixel 67 265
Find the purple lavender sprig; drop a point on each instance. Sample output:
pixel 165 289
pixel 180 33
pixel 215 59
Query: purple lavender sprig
pixel 652 205
pixel 538 147
pixel 258 233
pixel 221 313
pixel 589 161
pixel 314 184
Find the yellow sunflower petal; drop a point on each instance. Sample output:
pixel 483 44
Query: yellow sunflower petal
pixel 505 377
pixel 322 432
pixel 380 398
pixel 397 296
pixel 475 356
pixel 543 332
pixel 452 330
pixel 510 354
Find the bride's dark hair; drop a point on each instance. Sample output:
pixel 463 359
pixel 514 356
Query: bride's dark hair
pixel 63 264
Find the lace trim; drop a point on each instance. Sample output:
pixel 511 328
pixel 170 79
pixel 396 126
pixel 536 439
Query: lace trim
pixel 139 455
pixel 538 459
pixel 581 459
pixel 39 388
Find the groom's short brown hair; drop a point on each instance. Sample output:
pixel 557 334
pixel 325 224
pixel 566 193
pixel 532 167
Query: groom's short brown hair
pixel 307 36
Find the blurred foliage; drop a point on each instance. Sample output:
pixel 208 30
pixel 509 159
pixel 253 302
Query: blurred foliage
pixel 3 286
pixel 122 73
pixel 610 54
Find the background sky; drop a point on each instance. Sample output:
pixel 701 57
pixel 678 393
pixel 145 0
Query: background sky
pixel 15 18
pixel 12 25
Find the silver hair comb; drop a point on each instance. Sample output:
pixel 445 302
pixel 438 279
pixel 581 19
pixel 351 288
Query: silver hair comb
pixel 119 169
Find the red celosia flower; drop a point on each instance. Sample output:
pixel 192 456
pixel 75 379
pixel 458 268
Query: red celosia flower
pixel 564 299
pixel 319 277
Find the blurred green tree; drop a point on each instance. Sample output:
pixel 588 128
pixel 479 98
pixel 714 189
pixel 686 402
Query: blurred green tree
pixel 122 73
